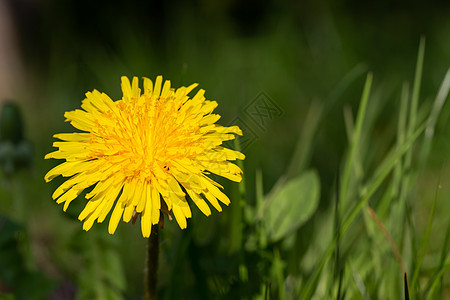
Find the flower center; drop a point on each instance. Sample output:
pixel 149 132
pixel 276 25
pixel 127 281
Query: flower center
pixel 146 136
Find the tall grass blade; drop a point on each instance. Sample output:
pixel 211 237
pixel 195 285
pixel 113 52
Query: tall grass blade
pixel 337 229
pixel 413 119
pixel 407 176
pixel 439 102
pixel 415 97
pixel 437 276
pixel 425 241
pixel 356 138
pixel 445 268
pixel 401 136
pixel 338 268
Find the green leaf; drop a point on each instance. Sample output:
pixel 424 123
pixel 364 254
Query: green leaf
pixel 292 205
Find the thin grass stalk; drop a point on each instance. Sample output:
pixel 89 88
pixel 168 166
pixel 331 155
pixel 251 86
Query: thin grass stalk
pixel 424 243
pixel 436 278
pixel 354 146
pixel 438 103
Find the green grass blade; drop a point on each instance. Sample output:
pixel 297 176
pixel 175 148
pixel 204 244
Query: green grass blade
pixel 278 274
pixel 425 241
pixel 439 275
pixel 354 146
pixel 312 282
pixel 338 262
pixel 439 102
pixel 350 129
pixel 413 116
pixel 401 135
pixel 407 178
pixel 435 279
pixel 337 229
pixel 415 96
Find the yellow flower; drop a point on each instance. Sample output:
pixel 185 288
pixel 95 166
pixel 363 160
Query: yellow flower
pixel 147 151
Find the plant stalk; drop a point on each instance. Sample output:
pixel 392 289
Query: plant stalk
pixel 151 264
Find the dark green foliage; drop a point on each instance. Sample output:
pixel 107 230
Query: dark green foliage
pixel 11 123
pixel 100 274
pixel 15 151
pixel 16 276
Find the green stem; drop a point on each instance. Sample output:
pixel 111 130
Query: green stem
pixel 151 263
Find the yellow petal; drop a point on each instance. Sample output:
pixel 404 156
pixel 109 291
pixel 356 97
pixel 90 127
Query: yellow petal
pixel 126 87
pixel 146 217
pixel 157 87
pixel 73 137
pixel 201 204
pixel 148 86
pixel 156 204
pixel 115 218
pixel 210 197
pixel 179 216
pixel 166 89
pixel 110 196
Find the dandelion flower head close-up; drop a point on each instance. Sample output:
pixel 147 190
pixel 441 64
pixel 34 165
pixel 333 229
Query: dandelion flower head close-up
pixel 149 151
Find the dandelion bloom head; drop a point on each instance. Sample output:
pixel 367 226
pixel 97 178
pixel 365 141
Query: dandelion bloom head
pixel 144 153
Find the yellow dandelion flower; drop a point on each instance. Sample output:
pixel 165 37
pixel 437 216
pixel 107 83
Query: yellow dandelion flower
pixel 147 151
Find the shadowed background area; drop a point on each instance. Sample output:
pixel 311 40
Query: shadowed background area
pixel 279 69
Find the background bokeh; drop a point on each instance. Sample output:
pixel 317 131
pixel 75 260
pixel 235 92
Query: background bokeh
pixel 296 53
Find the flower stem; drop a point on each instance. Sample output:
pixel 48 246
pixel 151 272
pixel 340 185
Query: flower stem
pixel 151 270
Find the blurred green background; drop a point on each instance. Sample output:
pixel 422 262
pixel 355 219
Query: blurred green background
pixel 309 58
